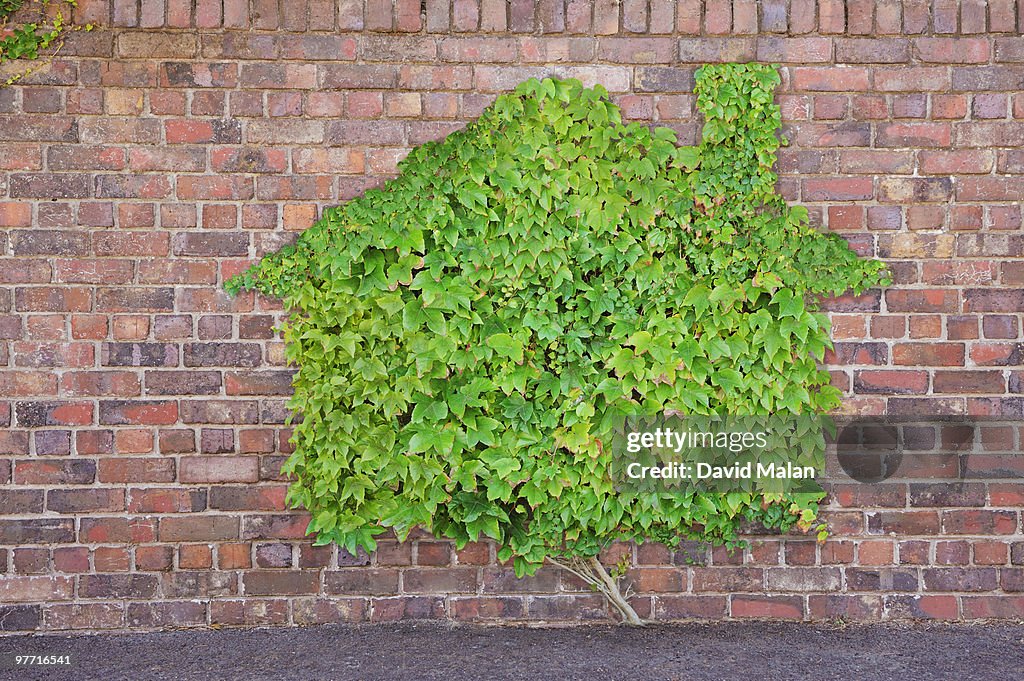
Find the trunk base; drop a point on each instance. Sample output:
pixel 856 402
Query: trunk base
pixel 593 573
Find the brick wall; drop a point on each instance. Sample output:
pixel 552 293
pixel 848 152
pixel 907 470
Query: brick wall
pixel 142 410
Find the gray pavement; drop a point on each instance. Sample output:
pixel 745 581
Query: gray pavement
pixel 749 651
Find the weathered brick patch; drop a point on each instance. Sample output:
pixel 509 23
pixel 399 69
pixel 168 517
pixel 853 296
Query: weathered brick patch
pixel 142 416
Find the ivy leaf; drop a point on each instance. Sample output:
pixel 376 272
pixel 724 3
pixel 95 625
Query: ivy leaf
pixel 730 379
pixel 688 157
pixel 641 341
pixel 789 304
pixel 698 298
pixel 506 346
pixel 434 410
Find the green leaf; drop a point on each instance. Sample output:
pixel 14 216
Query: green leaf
pixel 434 410
pixel 730 379
pixel 506 346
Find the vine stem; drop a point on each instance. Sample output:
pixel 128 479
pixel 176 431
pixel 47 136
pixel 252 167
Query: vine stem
pixel 591 571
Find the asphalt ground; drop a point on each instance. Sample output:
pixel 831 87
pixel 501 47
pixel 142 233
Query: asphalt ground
pixel 756 651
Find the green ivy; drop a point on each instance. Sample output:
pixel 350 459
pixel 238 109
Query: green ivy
pixel 27 41
pixel 467 334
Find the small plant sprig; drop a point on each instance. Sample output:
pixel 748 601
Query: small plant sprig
pixel 28 41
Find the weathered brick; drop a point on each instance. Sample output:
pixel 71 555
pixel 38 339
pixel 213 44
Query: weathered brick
pixel 830 79
pixel 357 76
pixel 915 135
pixel 139 354
pixel 289 526
pixel 83 615
pixel 141 412
pixel 120 586
pixel 993 300
pixel 125 470
pixel 31 561
pixel 432 607
pixel 248 498
pixel 183 382
pixel 912 79
pixel 222 354
pixel 251 611
pixel 85 500
pixel 134 299
pixel 198 528
pixel 219 411
pixel 18 501
pixel 201 131
pixel 838 189
pixel 891 382
pixel 36 531
pixel 212 244
pixel 36 414
pixel 163 614
pixel 952 50
pixel 765 607
pixel 373 581
pixel 258 383
pixel 41 588
pixel 50 186
pixel 166 500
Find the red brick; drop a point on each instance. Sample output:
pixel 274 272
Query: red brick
pixel 952 50
pixel 872 51
pixel 216 469
pixel 912 79
pixel 276 583
pixel 767 607
pixel 165 500
pixel 837 189
pixel 996 354
pixel 949 106
pixel 993 300
pixel 198 528
pixel 111 559
pixel 921 607
pixel 991 553
pixel 153 558
pixel 195 557
pixel 956 162
pixel 830 79
pixel 962 327
pixel 891 382
pixel 986 607
pixel 717 16
pixel 929 354
pixel 136 470
pixel 922 300
pixel 989 105
pixel 845 606
pixel 686 607
pixel 133 441
pixel 979 521
pixel 202 132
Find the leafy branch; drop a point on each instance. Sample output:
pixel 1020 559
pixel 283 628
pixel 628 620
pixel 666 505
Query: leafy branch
pixel 27 41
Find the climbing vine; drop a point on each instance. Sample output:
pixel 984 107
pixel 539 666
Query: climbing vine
pixel 51 26
pixel 467 335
